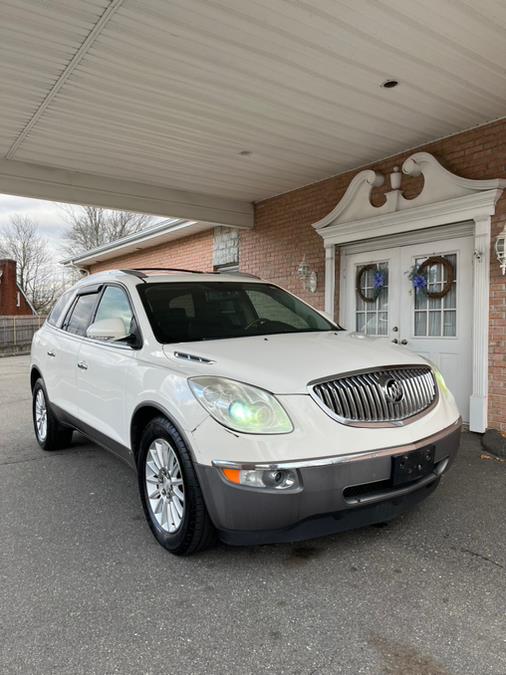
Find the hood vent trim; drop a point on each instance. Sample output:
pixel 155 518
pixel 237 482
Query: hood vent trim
pixel 193 357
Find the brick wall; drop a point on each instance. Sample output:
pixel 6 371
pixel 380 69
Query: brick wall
pixel 9 292
pixel 194 252
pixel 283 233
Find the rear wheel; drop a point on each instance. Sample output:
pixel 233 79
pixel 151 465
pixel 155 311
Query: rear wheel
pixel 170 492
pixel 50 434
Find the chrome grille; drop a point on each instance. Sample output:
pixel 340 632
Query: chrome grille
pixel 369 397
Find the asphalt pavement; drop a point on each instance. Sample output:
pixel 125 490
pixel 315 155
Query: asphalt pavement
pixel 85 588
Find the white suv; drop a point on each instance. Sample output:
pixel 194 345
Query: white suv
pixel 246 413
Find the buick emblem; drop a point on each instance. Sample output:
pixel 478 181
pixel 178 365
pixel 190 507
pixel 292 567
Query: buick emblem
pixel 392 389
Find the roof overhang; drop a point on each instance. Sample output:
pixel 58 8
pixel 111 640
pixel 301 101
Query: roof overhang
pixel 195 110
pixel 155 235
pixel 44 182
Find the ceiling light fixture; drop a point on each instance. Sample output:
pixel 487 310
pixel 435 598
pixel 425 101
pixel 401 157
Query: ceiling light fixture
pixel 389 84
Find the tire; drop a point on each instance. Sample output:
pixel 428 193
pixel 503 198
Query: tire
pixel 49 432
pixel 178 518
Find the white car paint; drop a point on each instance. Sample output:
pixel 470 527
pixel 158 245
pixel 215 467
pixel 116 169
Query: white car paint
pixel 100 386
pixel 118 379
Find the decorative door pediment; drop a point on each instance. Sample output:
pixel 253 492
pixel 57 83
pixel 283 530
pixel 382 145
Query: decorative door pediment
pixel 440 185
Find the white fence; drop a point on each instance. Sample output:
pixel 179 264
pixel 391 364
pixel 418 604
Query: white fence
pixel 16 332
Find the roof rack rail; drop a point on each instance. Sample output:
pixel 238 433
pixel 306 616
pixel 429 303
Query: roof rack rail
pixel 139 271
pixel 246 274
pixel 135 273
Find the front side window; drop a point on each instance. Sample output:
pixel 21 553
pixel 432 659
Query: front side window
pixel 114 304
pixel 79 317
pixel 191 311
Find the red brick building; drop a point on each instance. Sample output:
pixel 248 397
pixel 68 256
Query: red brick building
pixel 447 203
pixel 13 301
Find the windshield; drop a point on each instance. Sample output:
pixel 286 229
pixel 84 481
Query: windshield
pixel 190 311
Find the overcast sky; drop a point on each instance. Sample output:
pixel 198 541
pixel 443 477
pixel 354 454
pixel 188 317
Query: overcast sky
pixel 48 215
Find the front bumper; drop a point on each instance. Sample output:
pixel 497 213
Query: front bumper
pixel 337 494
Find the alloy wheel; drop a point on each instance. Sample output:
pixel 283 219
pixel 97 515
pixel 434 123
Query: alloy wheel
pixel 41 415
pixel 164 485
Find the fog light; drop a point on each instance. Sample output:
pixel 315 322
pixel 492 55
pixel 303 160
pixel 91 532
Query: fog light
pixel 280 480
pixel 273 478
pixel 277 479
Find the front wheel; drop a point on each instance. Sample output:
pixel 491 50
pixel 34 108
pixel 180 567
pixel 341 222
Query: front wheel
pixel 50 434
pixel 170 492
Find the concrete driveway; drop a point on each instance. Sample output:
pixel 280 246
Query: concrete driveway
pixel 85 588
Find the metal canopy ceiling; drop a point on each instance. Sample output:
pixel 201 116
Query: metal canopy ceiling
pixel 168 93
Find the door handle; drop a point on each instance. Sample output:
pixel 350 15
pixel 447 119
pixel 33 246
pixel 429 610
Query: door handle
pixel 395 341
pixel 82 365
pixel 404 342
pixel 51 353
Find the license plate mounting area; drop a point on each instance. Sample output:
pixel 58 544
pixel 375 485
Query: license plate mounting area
pixel 411 466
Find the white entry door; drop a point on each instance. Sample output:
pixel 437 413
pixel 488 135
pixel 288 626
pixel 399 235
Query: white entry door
pixel 439 329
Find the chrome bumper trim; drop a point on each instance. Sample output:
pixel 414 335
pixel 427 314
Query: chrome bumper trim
pixel 341 459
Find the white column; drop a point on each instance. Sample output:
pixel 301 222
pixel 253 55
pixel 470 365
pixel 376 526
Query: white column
pixel 481 271
pixel 330 278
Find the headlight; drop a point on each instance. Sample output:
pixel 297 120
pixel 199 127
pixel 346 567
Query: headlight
pixel 240 406
pixel 438 376
pixel 441 381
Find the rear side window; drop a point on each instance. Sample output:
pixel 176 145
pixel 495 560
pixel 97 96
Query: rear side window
pixel 79 317
pixel 56 313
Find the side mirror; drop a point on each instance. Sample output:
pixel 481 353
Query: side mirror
pixel 110 330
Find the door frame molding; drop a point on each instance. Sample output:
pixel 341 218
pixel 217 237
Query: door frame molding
pixel 446 199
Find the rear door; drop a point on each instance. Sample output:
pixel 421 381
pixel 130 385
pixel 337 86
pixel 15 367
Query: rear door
pixel 48 355
pixel 67 345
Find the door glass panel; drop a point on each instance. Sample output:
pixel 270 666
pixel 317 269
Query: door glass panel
pixel 115 305
pixel 450 323
pixel 371 318
pixel 420 323
pixel 436 317
pixel 434 323
pixel 80 315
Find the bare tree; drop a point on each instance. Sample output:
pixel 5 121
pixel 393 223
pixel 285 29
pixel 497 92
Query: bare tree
pixel 22 241
pixel 90 226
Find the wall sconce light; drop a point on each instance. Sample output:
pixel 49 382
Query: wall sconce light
pixel 308 276
pixel 500 250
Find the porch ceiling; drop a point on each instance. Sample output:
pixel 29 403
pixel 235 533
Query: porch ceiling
pixel 168 94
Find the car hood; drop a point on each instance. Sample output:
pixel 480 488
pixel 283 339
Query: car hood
pixel 284 364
